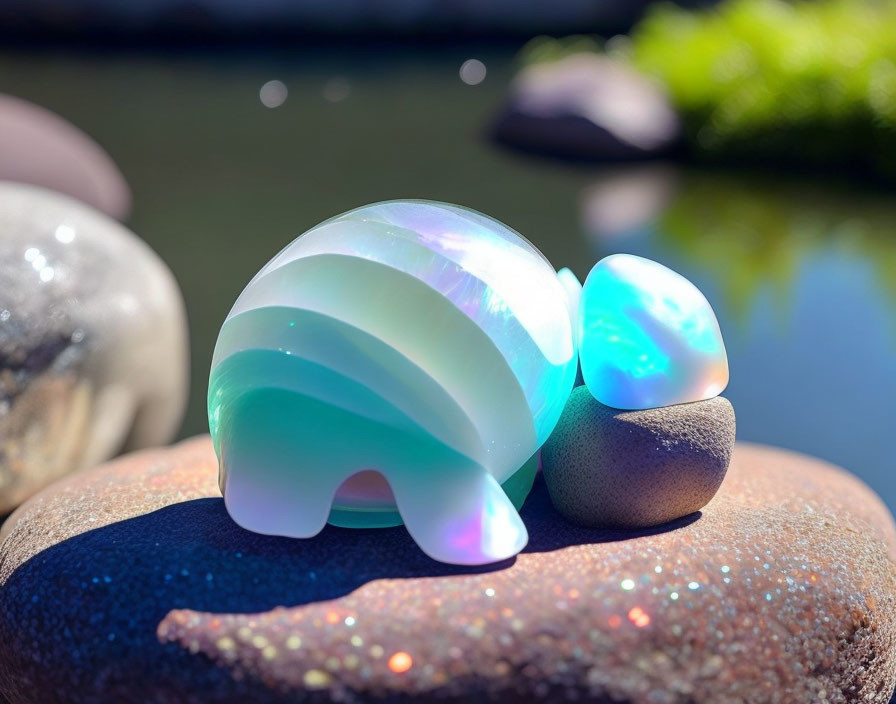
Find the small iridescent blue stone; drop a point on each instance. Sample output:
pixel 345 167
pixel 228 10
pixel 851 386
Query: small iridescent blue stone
pixel 648 337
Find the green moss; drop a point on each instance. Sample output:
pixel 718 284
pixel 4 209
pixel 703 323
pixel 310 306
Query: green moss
pixel 806 82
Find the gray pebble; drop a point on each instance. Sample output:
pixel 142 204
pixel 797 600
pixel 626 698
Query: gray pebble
pixel 634 469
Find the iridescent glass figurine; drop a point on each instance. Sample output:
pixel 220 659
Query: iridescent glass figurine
pixel 422 351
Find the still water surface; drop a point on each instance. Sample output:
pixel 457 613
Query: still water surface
pixel 802 275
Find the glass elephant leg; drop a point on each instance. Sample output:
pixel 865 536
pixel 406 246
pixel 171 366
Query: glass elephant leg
pixel 282 469
pixel 272 476
pixel 459 514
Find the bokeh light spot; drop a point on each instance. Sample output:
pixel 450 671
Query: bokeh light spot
pixel 273 94
pixel 472 72
pixel 336 90
pixel 400 662
pixel 639 617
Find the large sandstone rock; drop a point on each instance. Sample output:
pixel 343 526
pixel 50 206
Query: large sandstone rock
pixel 634 469
pixel 129 583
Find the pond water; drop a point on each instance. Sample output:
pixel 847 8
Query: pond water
pixel 801 275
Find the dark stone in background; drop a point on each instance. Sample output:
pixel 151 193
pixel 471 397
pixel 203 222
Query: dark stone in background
pixel 587 107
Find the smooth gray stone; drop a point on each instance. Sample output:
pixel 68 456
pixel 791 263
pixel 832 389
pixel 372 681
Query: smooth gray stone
pixel 634 469
pixel 93 341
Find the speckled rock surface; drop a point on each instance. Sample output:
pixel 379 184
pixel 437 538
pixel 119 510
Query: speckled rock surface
pixel 634 469
pixel 129 583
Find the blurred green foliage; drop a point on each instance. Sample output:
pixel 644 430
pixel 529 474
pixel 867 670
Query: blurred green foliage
pixel 808 82
pixel 544 48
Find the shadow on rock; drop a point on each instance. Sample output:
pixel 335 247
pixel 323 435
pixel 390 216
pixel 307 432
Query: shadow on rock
pixel 106 590
pixel 192 555
pixel 548 530
pixel 84 612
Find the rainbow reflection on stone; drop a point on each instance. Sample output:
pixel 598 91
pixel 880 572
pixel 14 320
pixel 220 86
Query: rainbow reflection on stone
pixel 648 337
pixel 419 341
